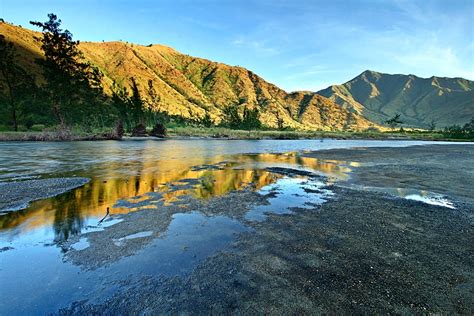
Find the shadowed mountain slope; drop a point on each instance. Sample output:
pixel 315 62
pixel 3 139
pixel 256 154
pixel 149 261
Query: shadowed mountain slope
pixel 379 96
pixel 189 87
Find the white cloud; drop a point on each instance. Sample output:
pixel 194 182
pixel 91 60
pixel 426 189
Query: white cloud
pixel 258 46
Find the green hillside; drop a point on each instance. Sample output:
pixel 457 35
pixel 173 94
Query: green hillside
pixel 189 87
pixel 420 101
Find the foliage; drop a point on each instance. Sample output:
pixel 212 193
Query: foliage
pixel 432 125
pixel 231 117
pixel 73 87
pixel 119 130
pixel 394 121
pixel 206 121
pixel 139 130
pixel 159 130
pixel 461 132
pixel 19 86
pixel 250 119
pixel 279 121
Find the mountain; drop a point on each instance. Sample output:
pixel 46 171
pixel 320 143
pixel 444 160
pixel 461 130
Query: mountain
pixel 378 96
pixel 190 87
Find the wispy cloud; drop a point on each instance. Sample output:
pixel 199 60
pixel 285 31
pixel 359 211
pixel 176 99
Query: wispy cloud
pixel 260 47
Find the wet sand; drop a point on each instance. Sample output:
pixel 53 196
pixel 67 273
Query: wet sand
pixel 359 252
pixel 17 195
pixel 446 169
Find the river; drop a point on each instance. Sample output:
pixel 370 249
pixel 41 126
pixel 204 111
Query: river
pixel 37 274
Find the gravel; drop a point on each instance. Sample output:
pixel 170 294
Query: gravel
pixel 15 196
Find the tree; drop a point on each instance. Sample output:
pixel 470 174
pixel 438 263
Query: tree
pixel 136 104
pixel 394 121
pixel 279 121
pixel 159 130
pixel 350 120
pixel 250 119
pixel 121 103
pixel 432 125
pixel 232 117
pixel 19 86
pixel 71 83
pixel 206 121
pixel 154 97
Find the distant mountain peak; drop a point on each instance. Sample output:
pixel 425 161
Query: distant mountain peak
pixel 379 96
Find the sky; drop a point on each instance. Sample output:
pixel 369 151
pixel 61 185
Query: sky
pixel 295 44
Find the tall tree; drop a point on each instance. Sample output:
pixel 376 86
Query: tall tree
pixel 279 121
pixel 70 81
pixel 137 104
pixel 19 86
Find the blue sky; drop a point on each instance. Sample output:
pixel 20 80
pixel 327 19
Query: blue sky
pixel 296 44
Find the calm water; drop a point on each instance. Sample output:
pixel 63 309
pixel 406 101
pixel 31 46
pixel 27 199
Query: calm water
pixel 131 175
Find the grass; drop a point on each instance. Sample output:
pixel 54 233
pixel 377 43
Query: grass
pixel 177 131
pixel 219 132
pixel 55 134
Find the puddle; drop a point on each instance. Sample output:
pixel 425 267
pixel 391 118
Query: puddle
pixel 119 242
pixel 427 197
pixel 189 239
pixel 81 244
pixel 288 193
pixel 432 199
pixel 154 182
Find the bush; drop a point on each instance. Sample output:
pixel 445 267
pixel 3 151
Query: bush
pixel 139 131
pixel 119 130
pixel 159 130
pixel 372 129
pixel 37 127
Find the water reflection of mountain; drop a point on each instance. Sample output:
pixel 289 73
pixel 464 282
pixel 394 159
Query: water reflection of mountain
pixel 69 213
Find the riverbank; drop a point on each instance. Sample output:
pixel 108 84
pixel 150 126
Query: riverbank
pixel 55 136
pixel 360 252
pixel 187 227
pixel 17 195
pixel 231 134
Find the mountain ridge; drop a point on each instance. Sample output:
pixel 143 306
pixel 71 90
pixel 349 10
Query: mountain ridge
pixel 420 101
pixel 190 86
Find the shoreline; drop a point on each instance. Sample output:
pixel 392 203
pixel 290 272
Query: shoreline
pixel 226 134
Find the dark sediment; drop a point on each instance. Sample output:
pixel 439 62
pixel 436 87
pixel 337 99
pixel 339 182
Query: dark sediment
pixel 360 253
pixel 445 169
pixel 17 195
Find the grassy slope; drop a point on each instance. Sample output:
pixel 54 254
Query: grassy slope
pixel 379 96
pixel 189 86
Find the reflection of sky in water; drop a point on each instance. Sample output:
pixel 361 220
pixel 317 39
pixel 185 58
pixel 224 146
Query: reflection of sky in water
pixel 413 194
pixel 289 193
pixel 39 282
pixel 71 213
pixel 34 278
